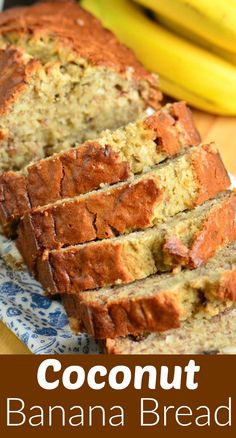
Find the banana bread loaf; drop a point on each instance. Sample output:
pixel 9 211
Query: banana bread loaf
pixel 114 157
pixel 196 336
pixel 159 302
pixel 188 239
pixel 62 83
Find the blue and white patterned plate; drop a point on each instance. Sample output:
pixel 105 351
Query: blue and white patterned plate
pixel 39 322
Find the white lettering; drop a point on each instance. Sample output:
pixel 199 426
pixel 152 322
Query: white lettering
pixel 39 416
pixel 80 377
pixel 138 376
pixel 150 412
pixel 16 412
pixel 118 416
pixel 42 370
pixel 179 413
pixel 126 379
pixel 228 412
pixel 80 417
pixel 190 370
pixel 205 416
pixel 97 408
pixel 176 382
pixel 62 417
pixel 99 369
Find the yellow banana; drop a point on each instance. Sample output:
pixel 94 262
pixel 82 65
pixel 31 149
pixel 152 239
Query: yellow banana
pixel 189 72
pixel 180 93
pixel 212 20
pixel 196 39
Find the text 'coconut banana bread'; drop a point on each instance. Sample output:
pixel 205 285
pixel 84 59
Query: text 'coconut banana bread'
pixel 189 239
pixel 61 83
pixel 159 302
pixel 196 336
pixel 113 157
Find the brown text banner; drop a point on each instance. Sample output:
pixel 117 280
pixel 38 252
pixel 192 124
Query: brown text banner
pixel 152 396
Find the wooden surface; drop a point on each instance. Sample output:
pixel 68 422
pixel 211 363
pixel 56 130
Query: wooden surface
pixel 223 131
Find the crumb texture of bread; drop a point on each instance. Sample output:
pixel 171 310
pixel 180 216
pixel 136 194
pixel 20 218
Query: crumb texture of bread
pixel 82 82
pixel 196 336
pixel 161 302
pixel 113 157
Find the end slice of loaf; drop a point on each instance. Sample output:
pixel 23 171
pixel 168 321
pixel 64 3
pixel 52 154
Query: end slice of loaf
pixel 114 156
pixel 82 82
pixel 158 303
pixel 196 336
pixel 189 239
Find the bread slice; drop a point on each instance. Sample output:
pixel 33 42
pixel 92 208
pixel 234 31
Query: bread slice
pixel 62 83
pixel 113 157
pixel 196 336
pixel 189 239
pixel 159 302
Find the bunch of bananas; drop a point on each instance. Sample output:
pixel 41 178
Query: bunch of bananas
pixel 191 45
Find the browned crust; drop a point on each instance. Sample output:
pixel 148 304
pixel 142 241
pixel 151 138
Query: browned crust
pixel 74 172
pixel 27 243
pixel 160 312
pixel 101 215
pixel 13 197
pixel 227 286
pixel 125 208
pixel 82 169
pixel 166 123
pixel 87 267
pixel 185 123
pixel 14 75
pixel 71 303
pixel 210 172
pixel 157 313
pixel 104 263
pixel 175 251
pixel 217 230
pixel 71 26
pixel 77 171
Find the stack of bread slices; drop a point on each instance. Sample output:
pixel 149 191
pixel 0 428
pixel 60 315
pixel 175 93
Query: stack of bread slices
pixel 135 228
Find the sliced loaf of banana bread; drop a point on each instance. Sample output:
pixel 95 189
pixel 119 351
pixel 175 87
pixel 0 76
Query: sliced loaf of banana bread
pixel 62 83
pixel 113 157
pixel 196 336
pixel 159 302
pixel 188 239
pixel 176 185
